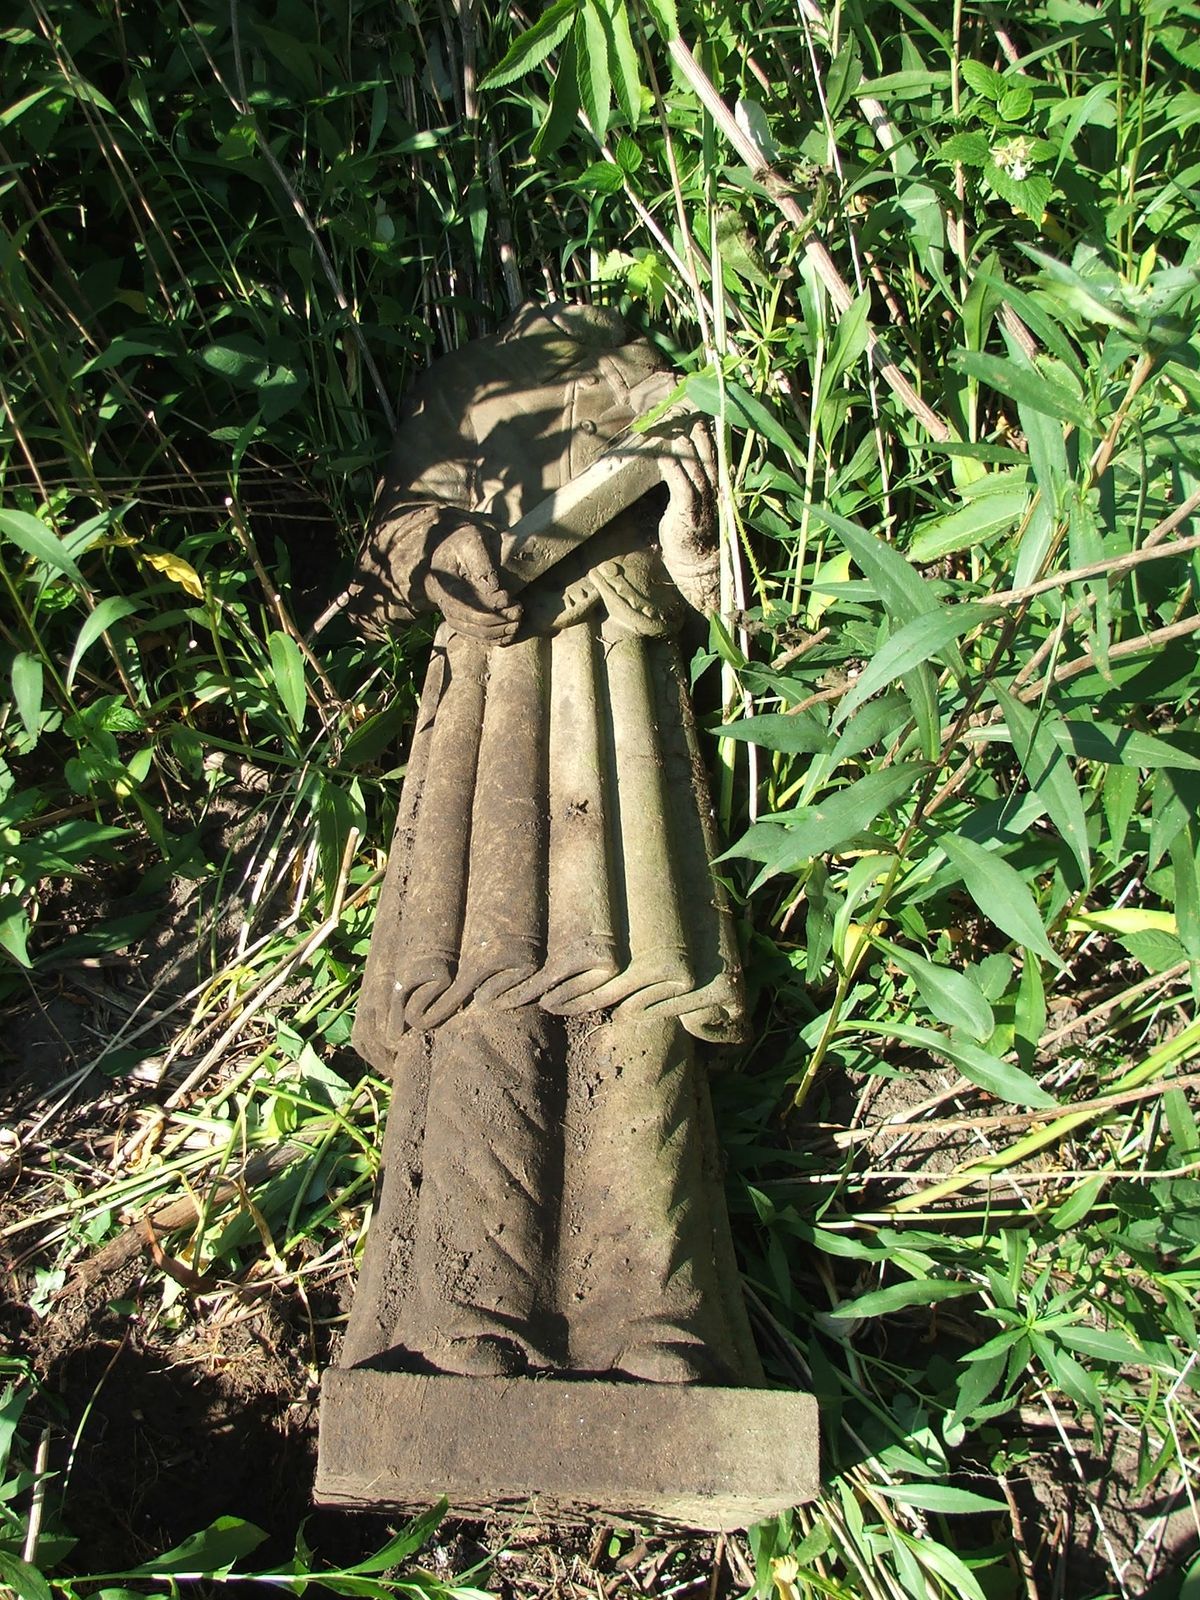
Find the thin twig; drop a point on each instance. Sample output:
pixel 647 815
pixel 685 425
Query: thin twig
pixel 822 262
pixel 1110 568
pixel 1099 1106
pixel 37 1502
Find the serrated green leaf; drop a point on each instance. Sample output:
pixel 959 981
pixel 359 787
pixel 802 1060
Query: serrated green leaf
pixel 1000 892
pixel 534 45
pixel 564 104
pixel 982 80
pixel 591 67
pixel 666 18
pixel 910 646
pixel 1016 103
pixel 37 540
pixel 625 71
pixel 971 149
pixel 1153 949
pixel 287 666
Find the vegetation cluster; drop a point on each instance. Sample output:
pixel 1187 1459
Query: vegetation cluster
pixel 932 273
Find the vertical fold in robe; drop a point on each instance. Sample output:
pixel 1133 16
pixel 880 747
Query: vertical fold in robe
pixel 714 1007
pixel 581 946
pixel 504 932
pixel 378 1022
pixel 431 923
pixel 657 966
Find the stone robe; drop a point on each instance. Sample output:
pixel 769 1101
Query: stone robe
pixel 549 935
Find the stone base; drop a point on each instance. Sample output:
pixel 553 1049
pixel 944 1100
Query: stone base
pixel 686 1454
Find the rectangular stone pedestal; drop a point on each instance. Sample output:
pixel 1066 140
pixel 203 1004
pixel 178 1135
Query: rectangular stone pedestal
pixel 686 1454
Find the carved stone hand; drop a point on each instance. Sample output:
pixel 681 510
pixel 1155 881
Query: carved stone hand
pixel 463 583
pixel 686 531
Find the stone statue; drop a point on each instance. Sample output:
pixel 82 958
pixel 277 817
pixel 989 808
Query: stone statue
pixel 550 940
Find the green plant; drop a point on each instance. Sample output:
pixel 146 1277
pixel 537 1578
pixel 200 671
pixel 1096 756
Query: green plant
pixel 934 279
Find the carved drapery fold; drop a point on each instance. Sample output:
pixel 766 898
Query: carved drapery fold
pixel 554 844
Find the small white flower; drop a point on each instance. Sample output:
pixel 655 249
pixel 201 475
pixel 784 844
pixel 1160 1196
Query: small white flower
pixel 1015 156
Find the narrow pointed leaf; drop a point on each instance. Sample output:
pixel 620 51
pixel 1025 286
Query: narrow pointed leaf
pixel 792 837
pixel 804 734
pixel 37 540
pixel 1122 747
pixel 904 592
pixel 213 1552
pixel 952 997
pixel 287 665
pixel 997 1076
pixel 97 622
pixel 1048 773
pixel 1037 390
pixel 405 1543
pixel 916 642
pixel 1000 893
pixel 564 105
pixel 940 1497
pixel 534 45
pixel 899 1296
pixel 27 677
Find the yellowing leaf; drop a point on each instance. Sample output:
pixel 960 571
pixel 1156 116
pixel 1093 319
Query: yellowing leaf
pixel 1124 919
pixel 177 570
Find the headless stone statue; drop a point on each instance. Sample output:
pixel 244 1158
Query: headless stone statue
pixel 550 942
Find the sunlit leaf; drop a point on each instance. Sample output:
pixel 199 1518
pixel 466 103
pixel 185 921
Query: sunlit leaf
pixel 175 568
pixel 534 45
pixel 1000 892
pixel 38 541
pixel 910 646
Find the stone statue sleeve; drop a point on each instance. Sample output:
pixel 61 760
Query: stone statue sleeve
pixel 427 492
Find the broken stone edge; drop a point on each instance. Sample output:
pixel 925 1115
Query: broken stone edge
pixel 688 1455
